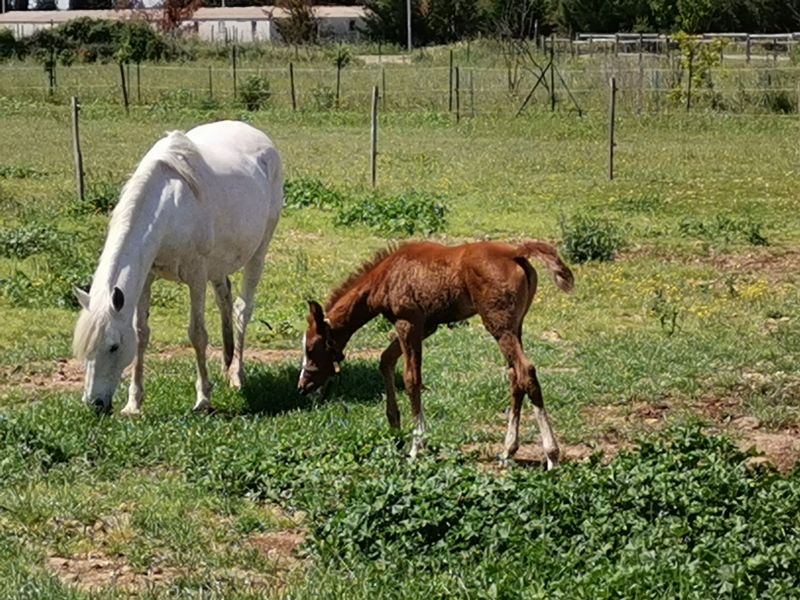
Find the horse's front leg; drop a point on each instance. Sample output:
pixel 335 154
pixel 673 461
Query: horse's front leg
pixel 136 388
pixel 199 338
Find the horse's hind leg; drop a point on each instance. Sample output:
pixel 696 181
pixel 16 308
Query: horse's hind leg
pixel 136 389
pixel 222 293
pixel 243 310
pixel 199 338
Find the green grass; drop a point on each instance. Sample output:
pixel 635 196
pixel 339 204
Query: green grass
pixel 694 307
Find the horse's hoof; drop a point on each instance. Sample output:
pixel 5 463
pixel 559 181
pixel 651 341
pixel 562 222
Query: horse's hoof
pixel 131 411
pixel 236 380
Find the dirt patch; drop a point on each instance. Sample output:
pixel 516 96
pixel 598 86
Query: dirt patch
pixel 66 374
pixel 279 547
pixel 96 571
pixel 611 428
pixel 532 455
pixel 775 264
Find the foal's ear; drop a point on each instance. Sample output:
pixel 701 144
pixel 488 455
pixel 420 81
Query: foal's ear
pixel 117 299
pixel 317 313
pixel 82 297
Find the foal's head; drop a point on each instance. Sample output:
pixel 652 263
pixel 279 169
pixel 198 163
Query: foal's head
pixel 106 342
pixel 321 357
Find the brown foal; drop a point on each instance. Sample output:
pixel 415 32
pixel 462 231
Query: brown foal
pixel 419 286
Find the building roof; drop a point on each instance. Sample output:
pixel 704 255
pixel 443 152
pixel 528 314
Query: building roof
pixel 237 13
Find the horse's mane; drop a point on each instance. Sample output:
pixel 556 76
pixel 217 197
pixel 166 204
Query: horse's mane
pixel 175 151
pixel 90 326
pixel 354 277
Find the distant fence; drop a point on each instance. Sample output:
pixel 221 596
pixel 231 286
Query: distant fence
pixel 746 46
pixel 650 84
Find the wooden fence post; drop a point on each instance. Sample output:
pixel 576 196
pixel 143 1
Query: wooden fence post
pixel 233 69
pixel 76 147
pixel 383 87
pixel 210 81
pixel 552 66
pixel 612 109
pixel 689 83
pixel 641 76
pixel 373 153
pixel 747 48
pixel 472 94
pixel 450 85
pixel 124 85
pixel 291 86
pixel 458 95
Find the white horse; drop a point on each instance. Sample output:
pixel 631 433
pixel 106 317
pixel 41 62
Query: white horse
pixel 198 207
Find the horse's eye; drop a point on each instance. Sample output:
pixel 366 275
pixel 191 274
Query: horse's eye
pixel 114 348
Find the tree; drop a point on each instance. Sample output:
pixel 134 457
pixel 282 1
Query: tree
pixel 386 21
pixel 175 12
pixel 451 20
pixel 299 26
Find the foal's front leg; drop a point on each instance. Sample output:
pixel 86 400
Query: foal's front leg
pixel 388 364
pixel 136 389
pixel 410 337
pixel 199 338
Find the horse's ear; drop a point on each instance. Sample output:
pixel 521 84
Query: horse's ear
pixel 117 299
pixel 316 313
pixel 82 297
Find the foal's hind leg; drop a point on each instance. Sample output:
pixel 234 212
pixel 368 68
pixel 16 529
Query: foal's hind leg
pixel 523 380
pixel 410 336
pixel 222 293
pixel 243 310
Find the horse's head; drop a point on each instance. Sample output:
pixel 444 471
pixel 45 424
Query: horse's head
pixel 321 357
pixel 105 340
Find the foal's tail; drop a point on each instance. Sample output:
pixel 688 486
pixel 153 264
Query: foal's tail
pixel 549 255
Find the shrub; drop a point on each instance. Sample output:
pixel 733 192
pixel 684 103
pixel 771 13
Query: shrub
pixel 100 198
pixel 8 45
pixel 32 238
pixel 725 229
pixel 307 191
pixel 254 92
pixel 588 237
pixel 323 98
pixel 408 213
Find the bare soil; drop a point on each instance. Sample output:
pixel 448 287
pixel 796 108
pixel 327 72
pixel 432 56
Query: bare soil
pixel 611 429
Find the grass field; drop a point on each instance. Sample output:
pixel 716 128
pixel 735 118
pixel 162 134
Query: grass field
pixel 660 371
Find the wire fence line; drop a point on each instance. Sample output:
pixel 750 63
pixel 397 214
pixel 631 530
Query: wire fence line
pixel 652 85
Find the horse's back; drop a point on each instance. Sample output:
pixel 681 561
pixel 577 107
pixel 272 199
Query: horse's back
pixel 243 192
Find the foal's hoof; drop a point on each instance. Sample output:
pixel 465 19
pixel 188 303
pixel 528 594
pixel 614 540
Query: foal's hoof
pixel 204 407
pixel 131 411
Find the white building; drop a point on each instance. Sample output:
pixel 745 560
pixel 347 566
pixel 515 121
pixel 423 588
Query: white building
pixel 234 24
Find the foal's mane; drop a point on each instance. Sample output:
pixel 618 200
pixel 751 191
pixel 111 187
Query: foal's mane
pixel 356 276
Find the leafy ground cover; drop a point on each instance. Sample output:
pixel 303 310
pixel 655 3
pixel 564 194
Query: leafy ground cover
pixel 670 361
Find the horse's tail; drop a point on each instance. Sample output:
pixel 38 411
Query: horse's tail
pixel 549 255
pixel 271 160
pixel 182 156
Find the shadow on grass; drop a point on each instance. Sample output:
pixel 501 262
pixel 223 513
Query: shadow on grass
pixel 272 391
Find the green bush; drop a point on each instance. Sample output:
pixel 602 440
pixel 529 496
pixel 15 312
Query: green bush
pixel 725 229
pixel 409 213
pixel 100 197
pixel 9 47
pixel 307 191
pixel 254 92
pixel 31 238
pixel 587 237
